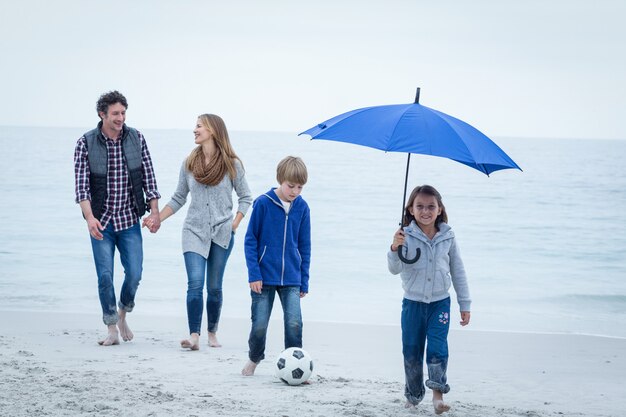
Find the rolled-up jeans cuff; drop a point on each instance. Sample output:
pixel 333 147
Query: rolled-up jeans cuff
pixel 127 309
pixel 256 360
pixel 435 386
pixel 110 319
pixel 413 399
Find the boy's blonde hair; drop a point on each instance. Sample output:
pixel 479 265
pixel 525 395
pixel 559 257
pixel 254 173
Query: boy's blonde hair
pixel 291 169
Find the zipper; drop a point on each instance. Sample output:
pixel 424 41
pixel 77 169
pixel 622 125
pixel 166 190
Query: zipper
pixel 282 274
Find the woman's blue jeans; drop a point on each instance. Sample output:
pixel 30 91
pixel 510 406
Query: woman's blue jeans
pixel 425 324
pixel 213 268
pixel 261 310
pixel 130 245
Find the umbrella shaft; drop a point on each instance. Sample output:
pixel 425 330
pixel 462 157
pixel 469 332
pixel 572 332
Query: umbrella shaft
pixel 406 180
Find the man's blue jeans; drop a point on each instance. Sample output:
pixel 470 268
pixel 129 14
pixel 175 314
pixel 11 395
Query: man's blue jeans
pixel 130 245
pixel 213 267
pixel 422 324
pixel 261 310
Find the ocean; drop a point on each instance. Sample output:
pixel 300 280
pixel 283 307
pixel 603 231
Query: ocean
pixel 544 249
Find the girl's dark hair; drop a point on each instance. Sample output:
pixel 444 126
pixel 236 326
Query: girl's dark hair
pixel 108 99
pixel 427 190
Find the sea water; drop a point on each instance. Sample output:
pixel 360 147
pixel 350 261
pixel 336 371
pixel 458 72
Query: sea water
pixel 544 249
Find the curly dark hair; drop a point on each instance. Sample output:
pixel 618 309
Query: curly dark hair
pixel 108 99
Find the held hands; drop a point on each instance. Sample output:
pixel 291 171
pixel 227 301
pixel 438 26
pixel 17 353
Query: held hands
pixel 465 318
pixel 398 239
pixel 152 222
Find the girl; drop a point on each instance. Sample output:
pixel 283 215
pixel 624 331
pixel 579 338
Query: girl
pixel 210 173
pixel 426 303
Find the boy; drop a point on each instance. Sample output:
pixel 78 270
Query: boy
pixel 278 254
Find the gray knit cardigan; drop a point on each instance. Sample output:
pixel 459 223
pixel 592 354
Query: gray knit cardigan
pixel 210 214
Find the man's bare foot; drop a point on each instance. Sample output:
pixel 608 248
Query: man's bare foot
pixel 125 332
pixel 213 342
pixel 440 406
pixel 112 338
pixel 248 369
pixel 193 343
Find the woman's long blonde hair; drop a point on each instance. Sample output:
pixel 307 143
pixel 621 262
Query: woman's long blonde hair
pixel 222 162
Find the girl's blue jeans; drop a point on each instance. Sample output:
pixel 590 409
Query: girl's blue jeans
pixel 213 268
pixel 129 243
pixel 425 325
pixel 261 310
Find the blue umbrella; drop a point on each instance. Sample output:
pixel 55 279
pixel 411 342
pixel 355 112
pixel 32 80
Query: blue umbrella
pixel 414 128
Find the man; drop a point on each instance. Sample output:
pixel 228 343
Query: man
pixel 113 172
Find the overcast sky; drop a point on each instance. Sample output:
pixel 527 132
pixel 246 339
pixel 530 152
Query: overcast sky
pixel 511 68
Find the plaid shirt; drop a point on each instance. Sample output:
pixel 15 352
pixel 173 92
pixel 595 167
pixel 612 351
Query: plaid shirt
pixel 119 206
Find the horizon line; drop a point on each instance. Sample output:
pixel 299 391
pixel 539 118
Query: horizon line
pixel 504 136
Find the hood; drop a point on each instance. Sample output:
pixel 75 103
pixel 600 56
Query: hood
pixel 271 194
pixel 445 232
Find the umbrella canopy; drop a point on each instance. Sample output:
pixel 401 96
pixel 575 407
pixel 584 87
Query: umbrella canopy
pixel 413 128
pixel 418 129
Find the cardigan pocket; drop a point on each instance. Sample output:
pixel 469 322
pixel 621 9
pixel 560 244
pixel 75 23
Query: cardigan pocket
pixel 442 282
pixel 416 281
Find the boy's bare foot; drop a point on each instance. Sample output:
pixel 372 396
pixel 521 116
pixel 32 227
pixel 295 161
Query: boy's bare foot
pixel 213 342
pixel 440 406
pixel 248 369
pixel 112 338
pixel 125 332
pixel 193 343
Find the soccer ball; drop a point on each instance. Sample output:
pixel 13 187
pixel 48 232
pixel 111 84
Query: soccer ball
pixel 294 366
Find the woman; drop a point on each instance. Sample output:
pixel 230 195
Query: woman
pixel 210 173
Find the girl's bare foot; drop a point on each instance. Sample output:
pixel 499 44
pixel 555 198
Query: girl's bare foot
pixel 213 342
pixel 112 338
pixel 440 406
pixel 193 343
pixel 248 369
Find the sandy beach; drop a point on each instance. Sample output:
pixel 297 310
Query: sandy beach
pixel 51 365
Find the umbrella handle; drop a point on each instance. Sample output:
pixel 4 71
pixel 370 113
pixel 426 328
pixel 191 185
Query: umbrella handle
pixel 418 252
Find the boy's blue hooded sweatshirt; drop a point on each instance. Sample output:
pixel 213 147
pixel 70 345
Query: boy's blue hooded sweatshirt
pixel 278 244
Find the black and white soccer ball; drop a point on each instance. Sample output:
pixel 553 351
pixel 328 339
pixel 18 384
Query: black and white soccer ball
pixel 294 366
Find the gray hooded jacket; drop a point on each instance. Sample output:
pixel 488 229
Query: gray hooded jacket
pixel 439 266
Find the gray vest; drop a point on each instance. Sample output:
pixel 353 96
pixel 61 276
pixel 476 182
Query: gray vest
pixel 98 168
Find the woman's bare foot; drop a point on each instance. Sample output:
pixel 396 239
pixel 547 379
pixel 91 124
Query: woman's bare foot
pixel 112 338
pixel 193 343
pixel 125 332
pixel 213 342
pixel 248 369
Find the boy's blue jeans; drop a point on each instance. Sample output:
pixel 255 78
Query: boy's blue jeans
pixel 213 267
pixel 425 324
pixel 261 310
pixel 130 245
